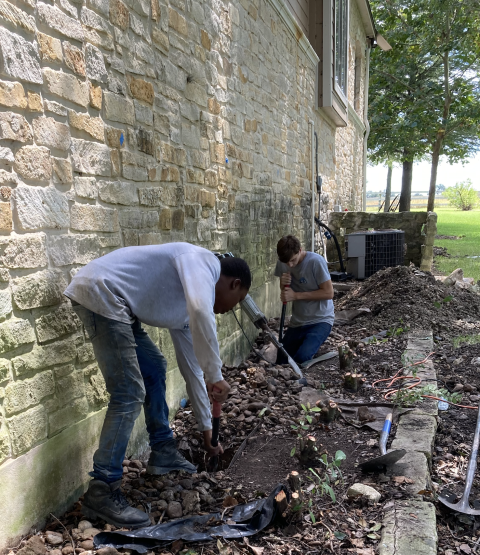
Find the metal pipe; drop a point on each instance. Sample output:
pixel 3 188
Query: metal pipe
pixel 367 125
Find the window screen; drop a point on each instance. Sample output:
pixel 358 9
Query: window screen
pixel 341 41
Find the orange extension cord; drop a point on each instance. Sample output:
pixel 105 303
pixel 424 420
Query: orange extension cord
pixel 411 386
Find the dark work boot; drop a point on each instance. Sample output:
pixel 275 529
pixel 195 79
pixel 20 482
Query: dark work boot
pixel 106 501
pixel 165 458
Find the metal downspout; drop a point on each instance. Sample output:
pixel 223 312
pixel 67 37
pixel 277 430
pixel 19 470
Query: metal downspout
pixel 367 126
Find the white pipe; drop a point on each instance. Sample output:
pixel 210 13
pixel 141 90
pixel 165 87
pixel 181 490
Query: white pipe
pixel 367 126
pixel 312 154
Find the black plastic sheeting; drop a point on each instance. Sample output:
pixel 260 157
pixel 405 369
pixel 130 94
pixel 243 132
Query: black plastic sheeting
pixel 249 520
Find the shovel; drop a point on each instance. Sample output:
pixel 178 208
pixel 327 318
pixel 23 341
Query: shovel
pixel 212 463
pixel 282 320
pixel 462 505
pixel 379 464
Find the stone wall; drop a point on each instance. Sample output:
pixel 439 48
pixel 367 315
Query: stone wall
pixel 136 122
pixel 420 229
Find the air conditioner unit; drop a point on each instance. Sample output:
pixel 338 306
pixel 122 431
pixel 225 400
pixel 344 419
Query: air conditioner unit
pixel 370 251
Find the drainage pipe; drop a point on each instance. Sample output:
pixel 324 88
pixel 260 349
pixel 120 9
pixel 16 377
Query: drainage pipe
pixel 367 125
pixel 312 164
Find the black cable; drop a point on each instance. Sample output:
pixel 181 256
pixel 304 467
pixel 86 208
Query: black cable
pixel 339 252
pixel 249 342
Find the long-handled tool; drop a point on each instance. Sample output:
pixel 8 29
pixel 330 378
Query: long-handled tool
pixel 462 505
pixel 282 319
pixel 379 464
pixel 212 464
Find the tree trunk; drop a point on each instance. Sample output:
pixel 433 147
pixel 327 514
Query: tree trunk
pixel 437 147
pixel 388 192
pixel 406 194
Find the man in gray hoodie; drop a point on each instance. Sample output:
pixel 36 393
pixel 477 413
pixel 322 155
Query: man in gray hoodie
pixel 177 286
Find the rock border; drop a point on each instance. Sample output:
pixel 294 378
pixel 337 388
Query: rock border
pixel 409 525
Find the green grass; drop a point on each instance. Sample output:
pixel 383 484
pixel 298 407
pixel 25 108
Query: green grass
pixel 457 222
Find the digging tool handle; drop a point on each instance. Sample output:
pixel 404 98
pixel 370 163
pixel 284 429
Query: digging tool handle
pixel 282 319
pixel 472 461
pixel 387 426
pixel 216 413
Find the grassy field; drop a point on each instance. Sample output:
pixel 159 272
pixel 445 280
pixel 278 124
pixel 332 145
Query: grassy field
pixel 465 225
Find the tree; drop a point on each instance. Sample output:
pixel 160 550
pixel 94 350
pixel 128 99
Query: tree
pixel 462 196
pixel 388 191
pixel 439 189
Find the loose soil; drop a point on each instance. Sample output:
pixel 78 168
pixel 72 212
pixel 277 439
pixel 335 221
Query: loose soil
pixel 265 404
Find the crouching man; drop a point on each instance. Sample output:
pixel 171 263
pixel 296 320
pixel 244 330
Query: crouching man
pixel 304 281
pixel 177 286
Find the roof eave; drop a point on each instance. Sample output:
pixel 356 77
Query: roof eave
pixel 367 18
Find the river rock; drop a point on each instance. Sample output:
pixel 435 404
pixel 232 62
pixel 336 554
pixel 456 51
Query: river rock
pixel 174 510
pixel 361 490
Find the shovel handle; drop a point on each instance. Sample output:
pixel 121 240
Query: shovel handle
pixel 216 413
pixel 387 426
pixel 282 319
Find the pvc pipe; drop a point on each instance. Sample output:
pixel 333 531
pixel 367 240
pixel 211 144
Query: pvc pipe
pixel 312 156
pixel 367 125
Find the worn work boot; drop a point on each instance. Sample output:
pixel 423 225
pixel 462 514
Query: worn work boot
pixel 165 458
pixel 106 501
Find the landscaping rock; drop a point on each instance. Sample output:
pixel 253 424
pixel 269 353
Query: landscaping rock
pixel 34 546
pixel 54 538
pixel 174 510
pixel 361 490
pixel 456 275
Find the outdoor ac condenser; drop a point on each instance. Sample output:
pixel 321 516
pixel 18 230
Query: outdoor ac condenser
pixel 370 251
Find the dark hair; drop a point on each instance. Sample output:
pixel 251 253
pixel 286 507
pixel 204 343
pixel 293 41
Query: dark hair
pixel 287 247
pixel 238 269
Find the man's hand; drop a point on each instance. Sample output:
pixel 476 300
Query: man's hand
pixel 207 443
pixel 285 279
pixel 288 295
pixel 222 390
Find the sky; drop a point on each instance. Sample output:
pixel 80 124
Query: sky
pixel 447 175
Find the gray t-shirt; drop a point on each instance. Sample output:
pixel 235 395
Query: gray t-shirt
pixel 308 276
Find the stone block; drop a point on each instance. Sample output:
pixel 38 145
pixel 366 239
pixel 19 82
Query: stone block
pixel 64 250
pixel 143 114
pixel 4 371
pixel 5 303
pixel 43 357
pixel 68 415
pixel 178 220
pixel 207 198
pixel 27 429
pixel 14 16
pixel 38 208
pixel 95 64
pixel 413 465
pixel 165 219
pixel 96 391
pixel 409 527
pixel 26 251
pixel 177 22
pixel 416 432
pixel 67 86
pixel 51 133
pixel 35 102
pixel 62 171
pixel 150 238
pixel 84 122
pixel 85 353
pixel 95 96
pixel 74 58
pixel 19 58
pixel 5 450
pixel 14 127
pixel 138 219
pixel 44 288
pixel 196 93
pixel 117 192
pixel 151 196
pixel 12 95
pixel 130 238
pixel 50 48
pixel 86 187
pixel 95 21
pixel 91 158
pixel 119 108
pixel 15 332
pixel 100 6
pixel 141 89
pixel 54 18
pixel 170 173
pixel 85 217
pixel 119 14
pixel 57 323
pixel 160 40
pixel 69 388
pixel 134 166
pixel 22 394
pixel 34 162
pixel 6 156
pixel 5 216
pixel 55 108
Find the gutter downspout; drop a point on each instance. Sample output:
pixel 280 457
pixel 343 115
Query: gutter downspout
pixel 367 126
pixel 312 155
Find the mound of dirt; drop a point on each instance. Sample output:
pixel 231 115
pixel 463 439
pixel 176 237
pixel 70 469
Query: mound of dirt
pixel 402 294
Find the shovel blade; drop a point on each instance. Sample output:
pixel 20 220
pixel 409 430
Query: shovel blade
pixel 380 463
pixel 461 506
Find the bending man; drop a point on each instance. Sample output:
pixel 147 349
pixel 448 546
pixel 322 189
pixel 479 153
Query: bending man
pixel 304 280
pixel 177 286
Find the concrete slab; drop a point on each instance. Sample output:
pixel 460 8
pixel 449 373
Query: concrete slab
pixel 409 529
pixel 413 465
pixel 416 432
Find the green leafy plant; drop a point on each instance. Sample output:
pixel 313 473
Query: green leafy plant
pixel 408 397
pixel 397 329
pixel 465 339
pixel 462 196
pixel 304 422
pixel 438 304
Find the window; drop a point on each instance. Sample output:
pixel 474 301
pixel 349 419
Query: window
pixel 341 45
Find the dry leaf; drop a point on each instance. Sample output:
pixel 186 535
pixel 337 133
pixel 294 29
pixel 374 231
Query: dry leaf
pixel 177 546
pixel 357 542
pixel 366 551
pixel 256 550
pixel 223 549
pixel 465 548
pixel 229 501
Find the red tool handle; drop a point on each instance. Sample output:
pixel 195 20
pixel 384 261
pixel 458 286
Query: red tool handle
pixel 286 287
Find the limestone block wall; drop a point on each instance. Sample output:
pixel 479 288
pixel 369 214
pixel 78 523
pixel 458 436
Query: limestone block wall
pixel 136 122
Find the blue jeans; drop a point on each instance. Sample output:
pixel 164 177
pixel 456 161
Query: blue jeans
pixel 303 342
pixel 134 370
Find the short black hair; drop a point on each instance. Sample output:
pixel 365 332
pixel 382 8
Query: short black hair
pixel 238 269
